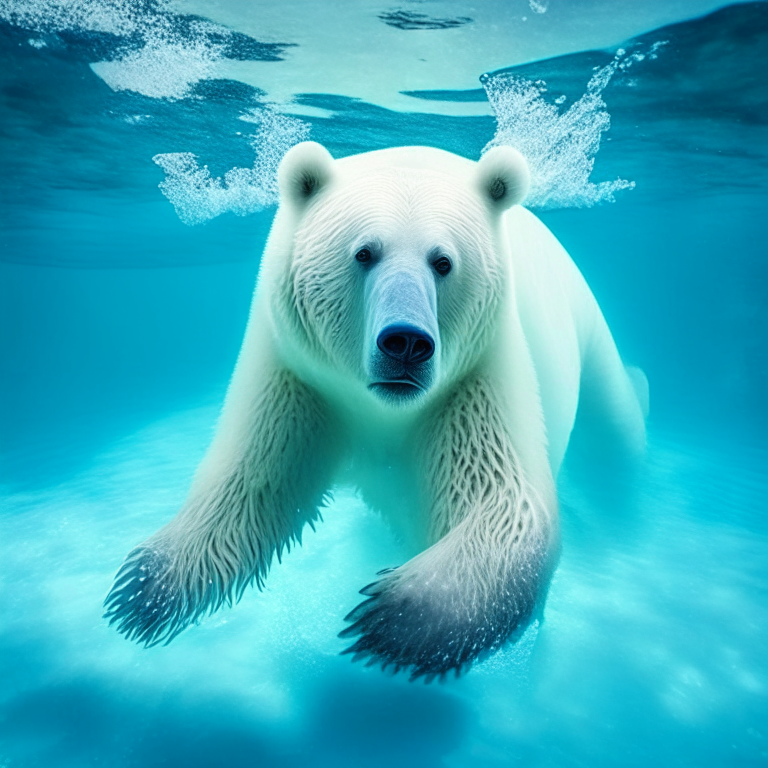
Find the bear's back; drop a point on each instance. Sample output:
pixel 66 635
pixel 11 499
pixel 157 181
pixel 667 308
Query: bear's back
pixel 557 311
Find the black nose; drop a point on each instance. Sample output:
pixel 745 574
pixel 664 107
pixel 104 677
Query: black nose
pixel 406 344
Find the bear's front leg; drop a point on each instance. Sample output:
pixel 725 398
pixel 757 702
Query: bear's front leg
pixel 495 536
pixel 261 481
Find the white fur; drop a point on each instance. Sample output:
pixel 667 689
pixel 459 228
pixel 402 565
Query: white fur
pixel 466 472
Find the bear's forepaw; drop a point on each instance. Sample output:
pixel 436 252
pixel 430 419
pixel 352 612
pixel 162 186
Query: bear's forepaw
pixel 146 602
pixel 433 627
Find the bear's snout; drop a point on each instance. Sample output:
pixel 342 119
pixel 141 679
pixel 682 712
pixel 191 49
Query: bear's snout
pixel 406 344
pixel 402 330
pixel 403 365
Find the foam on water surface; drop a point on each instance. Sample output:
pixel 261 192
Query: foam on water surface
pixel 155 50
pixel 117 17
pixel 161 68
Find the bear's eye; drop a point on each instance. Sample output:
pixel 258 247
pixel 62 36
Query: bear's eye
pixel 442 265
pixel 364 255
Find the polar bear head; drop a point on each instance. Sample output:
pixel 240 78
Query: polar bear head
pixel 392 264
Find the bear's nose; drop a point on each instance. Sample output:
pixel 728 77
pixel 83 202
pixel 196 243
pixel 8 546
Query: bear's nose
pixel 406 344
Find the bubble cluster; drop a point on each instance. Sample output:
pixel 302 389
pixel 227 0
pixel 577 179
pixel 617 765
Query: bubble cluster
pixel 197 196
pixel 538 6
pixel 560 146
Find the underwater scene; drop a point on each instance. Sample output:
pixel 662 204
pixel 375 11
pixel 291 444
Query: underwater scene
pixel 140 143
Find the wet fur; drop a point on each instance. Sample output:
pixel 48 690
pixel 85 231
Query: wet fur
pixel 227 534
pixel 520 336
pixel 481 580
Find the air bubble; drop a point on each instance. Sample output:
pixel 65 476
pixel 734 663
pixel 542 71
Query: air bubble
pixel 560 147
pixel 198 197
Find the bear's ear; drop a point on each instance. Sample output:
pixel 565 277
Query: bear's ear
pixel 304 171
pixel 503 177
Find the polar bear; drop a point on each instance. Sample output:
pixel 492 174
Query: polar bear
pixel 418 333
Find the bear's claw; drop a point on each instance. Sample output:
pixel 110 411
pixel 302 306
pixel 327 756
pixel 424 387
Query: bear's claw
pixel 144 601
pixel 429 634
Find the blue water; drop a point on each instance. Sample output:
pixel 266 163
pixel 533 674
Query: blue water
pixel 126 275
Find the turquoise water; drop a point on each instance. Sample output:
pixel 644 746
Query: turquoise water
pixel 129 247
